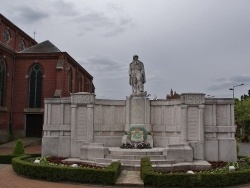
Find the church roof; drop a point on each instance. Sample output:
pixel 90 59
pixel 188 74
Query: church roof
pixel 43 47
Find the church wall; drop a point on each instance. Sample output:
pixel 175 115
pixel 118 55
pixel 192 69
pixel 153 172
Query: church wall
pixel 21 83
pixel 16 35
pixel 5 110
pixel 55 78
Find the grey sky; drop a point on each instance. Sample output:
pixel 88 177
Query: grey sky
pixel 187 45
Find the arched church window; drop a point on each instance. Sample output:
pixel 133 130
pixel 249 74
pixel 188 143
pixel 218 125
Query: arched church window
pixel 2 81
pixel 6 35
pixel 35 86
pixel 21 45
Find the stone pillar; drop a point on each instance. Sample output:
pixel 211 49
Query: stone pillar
pixel 194 101
pixel 73 128
pixel 138 113
pixel 90 122
pixel 138 116
pixel 86 100
pixel 214 120
pixel 200 153
pixel 184 123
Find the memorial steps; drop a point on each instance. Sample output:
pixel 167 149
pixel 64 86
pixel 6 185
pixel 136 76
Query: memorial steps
pixel 131 158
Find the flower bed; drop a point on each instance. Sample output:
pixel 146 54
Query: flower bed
pixel 60 161
pixel 23 165
pixel 136 145
pixel 217 177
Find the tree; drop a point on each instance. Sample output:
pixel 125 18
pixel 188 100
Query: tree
pixel 242 113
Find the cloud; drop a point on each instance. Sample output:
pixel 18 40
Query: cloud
pixel 225 83
pixel 114 7
pixel 98 21
pixel 27 14
pixel 105 67
pixel 241 78
pixel 65 8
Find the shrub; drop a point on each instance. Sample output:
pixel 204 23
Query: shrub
pixel 19 148
pixel 248 159
pixel 237 148
pixel 7 159
pixel 215 178
pixel 245 138
pixel 145 167
pixel 59 173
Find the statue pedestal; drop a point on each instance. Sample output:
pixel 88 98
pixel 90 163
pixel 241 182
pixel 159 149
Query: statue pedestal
pixel 138 117
pixel 137 113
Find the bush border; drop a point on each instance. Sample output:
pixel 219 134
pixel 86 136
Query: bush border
pixel 150 177
pixel 7 159
pixel 108 175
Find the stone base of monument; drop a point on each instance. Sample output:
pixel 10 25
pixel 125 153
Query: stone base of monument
pixel 90 151
pixel 179 152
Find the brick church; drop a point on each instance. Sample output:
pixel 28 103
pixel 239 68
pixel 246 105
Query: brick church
pixel 29 73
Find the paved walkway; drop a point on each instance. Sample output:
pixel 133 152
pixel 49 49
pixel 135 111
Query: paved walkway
pixel 9 179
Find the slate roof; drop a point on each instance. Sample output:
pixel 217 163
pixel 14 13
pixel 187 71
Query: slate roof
pixel 43 47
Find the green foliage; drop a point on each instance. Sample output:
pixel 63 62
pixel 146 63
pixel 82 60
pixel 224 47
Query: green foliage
pixel 248 159
pixel 242 114
pixel 6 159
pixel 19 148
pixel 216 178
pixel 145 167
pixel 237 148
pixel 59 173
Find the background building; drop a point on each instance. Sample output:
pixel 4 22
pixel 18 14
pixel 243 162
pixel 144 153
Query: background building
pixel 29 73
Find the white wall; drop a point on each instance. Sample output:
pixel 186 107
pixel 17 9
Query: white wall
pixel 206 124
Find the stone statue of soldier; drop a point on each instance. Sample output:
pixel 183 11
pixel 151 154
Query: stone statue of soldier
pixel 137 77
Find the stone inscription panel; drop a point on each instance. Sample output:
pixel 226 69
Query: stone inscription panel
pixel 98 115
pixel 208 118
pixel 193 122
pixel 156 114
pixel 81 130
pixel 137 111
pixel 67 114
pixel 55 115
pixel 221 113
pixel 107 115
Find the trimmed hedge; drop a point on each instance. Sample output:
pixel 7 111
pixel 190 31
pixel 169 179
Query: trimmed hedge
pixel 7 159
pixel 18 148
pixel 145 167
pixel 151 177
pixel 108 175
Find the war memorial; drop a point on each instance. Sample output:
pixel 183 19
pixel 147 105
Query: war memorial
pixel 177 132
